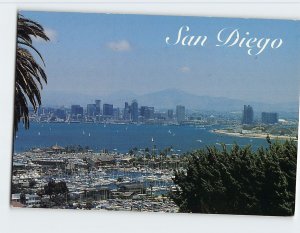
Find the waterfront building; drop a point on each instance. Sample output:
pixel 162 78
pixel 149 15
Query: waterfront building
pixel 180 113
pixel 60 113
pixel 91 110
pixel 269 117
pixel 108 110
pixel 98 107
pixel 160 115
pixel 126 112
pixel 143 110
pixel 134 111
pixel 150 113
pixel 41 111
pixel 147 112
pixel 170 114
pixel 247 115
pixel 76 110
pixel 137 188
pixel 116 113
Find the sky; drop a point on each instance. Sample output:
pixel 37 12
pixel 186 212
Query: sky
pixel 100 54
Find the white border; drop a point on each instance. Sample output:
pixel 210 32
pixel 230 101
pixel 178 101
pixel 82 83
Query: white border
pixel 39 220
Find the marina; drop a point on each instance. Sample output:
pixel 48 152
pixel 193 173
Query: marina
pixel 109 181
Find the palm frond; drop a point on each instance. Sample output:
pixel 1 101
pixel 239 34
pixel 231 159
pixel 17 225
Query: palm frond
pixel 29 74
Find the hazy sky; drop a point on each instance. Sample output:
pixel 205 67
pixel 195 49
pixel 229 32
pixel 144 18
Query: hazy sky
pixel 99 54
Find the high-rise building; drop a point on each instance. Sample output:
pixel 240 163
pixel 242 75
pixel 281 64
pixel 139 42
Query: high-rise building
pixel 180 113
pixel 108 110
pixel 76 110
pixel 98 107
pixel 143 110
pixel 126 112
pixel 134 111
pixel 170 114
pixel 91 110
pixel 269 117
pixel 116 113
pixel 147 112
pixel 248 115
pixel 150 113
pixel 60 113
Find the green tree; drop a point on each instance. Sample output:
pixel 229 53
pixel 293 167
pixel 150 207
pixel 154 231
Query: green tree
pixel 56 190
pixel 23 198
pixel 32 183
pixel 89 205
pixel 239 180
pixel 29 74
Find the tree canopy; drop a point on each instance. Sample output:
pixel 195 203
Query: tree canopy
pixel 239 180
pixel 55 189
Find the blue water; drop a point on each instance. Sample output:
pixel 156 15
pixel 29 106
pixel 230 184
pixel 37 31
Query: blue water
pixel 122 138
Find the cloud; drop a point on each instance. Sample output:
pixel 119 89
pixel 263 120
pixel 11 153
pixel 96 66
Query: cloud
pixel 52 34
pixel 119 46
pixel 185 69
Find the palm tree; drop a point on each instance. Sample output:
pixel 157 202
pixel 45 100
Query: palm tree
pixel 29 74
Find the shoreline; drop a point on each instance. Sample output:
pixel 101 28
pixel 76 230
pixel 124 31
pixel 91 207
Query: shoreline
pixel 251 135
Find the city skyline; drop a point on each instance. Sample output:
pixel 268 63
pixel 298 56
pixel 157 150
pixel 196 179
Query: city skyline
pixel 133 112
pixel 105 54
pixel 170 98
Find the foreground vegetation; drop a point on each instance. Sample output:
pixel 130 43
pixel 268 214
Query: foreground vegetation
pixel 239 180
pixel 29 74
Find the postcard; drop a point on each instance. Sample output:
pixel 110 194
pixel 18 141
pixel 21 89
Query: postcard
pixel 148 113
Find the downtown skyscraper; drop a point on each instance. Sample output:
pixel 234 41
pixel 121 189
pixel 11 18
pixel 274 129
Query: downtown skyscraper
pixel 134 111
pixel 248 115
pixel 180 113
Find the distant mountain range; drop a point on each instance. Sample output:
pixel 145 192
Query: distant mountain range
pixel 165 99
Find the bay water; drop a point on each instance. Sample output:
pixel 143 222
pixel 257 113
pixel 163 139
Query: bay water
pixel 123 137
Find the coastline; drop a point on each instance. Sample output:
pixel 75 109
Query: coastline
pixel 252 135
